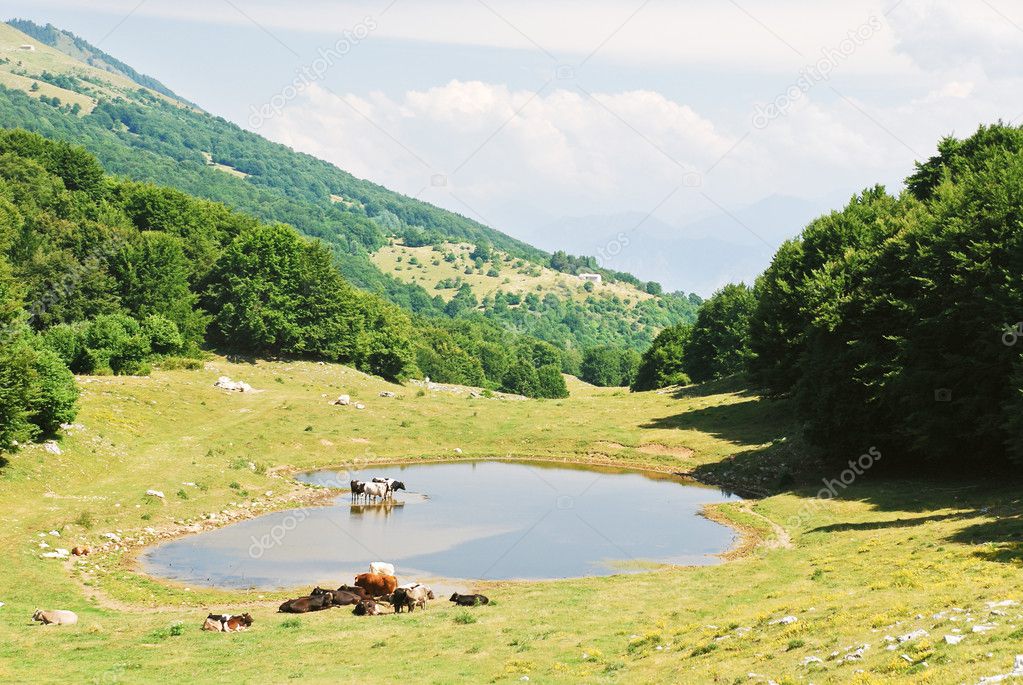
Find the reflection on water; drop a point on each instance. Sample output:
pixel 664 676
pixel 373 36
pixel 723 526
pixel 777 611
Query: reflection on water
pixel 489 519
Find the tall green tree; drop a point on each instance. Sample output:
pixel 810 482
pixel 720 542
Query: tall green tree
pixel 719 344
pixel 663 363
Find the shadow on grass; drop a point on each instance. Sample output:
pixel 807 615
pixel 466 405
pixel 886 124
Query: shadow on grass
pixel 773 459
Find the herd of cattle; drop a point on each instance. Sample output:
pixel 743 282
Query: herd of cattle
pixel 367 596
pixel 379 585
pixel 378 488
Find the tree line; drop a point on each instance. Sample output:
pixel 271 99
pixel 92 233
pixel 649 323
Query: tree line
pixel 105 276
pixel 895 321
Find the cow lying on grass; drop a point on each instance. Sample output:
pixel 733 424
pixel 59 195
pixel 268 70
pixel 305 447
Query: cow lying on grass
pixel 338 598
pixel 226 623
pixel 303 605
pixel 55 617
pixel 366 608
pixel 468 600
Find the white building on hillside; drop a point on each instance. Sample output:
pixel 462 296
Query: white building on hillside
pixel 592 278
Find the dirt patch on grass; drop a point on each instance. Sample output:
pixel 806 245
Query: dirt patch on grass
pixel 665 451
pixel 755 530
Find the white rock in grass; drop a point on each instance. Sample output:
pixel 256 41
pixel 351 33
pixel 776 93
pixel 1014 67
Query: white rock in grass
pixel 458 450
pixel 52 447
pixel 1003 603
pixel 784 620
pixel 984 627
pixel 360 405
pixel 916 634
pixel 954 639
pixel 1016 672
pixel 811 660
pixel 343 400
pixel 155 493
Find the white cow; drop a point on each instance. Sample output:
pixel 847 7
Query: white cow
pixel 56 617
pixel 381 567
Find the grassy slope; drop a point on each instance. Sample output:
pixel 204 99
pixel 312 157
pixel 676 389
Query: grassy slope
pixel 880 561
pixel 511 280
pixel 45 58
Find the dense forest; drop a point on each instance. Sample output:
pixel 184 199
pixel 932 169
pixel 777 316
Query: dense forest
pixel 100 275
pixel 146 138
pixel 893 322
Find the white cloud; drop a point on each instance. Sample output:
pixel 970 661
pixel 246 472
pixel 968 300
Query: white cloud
pixel 557 147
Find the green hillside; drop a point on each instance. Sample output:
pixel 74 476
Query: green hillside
pixel 138 129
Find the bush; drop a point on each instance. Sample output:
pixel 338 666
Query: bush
pixel 53 394
pixel 163 335
pixel 550 383
pixel 663 363
pixel 68 342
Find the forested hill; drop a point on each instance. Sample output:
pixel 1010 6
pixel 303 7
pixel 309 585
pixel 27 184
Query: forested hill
pixel 138 129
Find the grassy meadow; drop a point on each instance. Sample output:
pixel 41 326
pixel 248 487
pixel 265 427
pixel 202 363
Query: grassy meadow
pixel 884 559
pixel 513 275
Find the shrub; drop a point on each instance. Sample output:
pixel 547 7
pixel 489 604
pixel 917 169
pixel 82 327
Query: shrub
pixel 163 335
pixel 53 394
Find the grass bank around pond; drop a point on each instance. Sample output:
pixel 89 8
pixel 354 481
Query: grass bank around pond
pixel 884 560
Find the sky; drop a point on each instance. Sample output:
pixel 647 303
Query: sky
pixel 677 139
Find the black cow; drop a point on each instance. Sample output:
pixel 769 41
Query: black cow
pixel 468 600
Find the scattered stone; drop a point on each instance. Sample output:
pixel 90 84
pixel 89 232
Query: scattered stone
pixel 342 400
pixel 784 620
pixel 984 627
pixel 43 545
pixel 112 536
pixel 458 450
pixel 811 660
pixel 54 533
pixel 360 405
pixel 1003 603
pixel 56 554
pixel 1016 672
pixel 52 447
pixel 225 383
pixel 954 639
pixel 190 484
pixel 916 634
pixel 387 393
pixel 155 493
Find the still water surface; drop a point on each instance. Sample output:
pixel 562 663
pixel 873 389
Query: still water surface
pixel 464 520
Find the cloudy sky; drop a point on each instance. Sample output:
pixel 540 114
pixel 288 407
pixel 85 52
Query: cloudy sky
pixel 681 124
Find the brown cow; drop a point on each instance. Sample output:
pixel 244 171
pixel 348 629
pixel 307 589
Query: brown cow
pixel 355 591
pixel 376 584
pixel 304 605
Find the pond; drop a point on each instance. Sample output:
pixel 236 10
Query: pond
pixel 488 520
